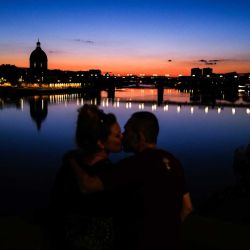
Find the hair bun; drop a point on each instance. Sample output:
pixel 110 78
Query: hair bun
pixel 90 112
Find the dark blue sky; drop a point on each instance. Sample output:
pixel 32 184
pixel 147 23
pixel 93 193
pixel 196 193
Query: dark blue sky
pixel 129 36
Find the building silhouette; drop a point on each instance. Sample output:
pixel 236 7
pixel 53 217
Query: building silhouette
pixel 38 63
pixel 207 72
pixel 196 72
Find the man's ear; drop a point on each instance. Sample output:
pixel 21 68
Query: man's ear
pixel 100 144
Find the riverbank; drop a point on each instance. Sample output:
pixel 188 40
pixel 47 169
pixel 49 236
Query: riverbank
pixel 14 91
pixel 159 99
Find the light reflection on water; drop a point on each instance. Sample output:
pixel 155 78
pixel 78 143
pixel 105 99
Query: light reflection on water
pixel 36 131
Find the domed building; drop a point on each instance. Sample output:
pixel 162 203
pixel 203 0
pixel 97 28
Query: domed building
pixel 38 61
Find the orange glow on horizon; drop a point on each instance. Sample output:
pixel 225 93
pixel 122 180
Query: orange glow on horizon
pixel 126 65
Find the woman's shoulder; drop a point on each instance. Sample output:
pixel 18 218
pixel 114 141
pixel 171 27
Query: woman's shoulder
pixel 75 154
pixel 80 157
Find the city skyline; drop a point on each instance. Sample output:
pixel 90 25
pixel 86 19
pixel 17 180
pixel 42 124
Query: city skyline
pixel 137 37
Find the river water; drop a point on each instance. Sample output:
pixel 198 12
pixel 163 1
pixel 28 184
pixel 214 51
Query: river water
pixel 35 132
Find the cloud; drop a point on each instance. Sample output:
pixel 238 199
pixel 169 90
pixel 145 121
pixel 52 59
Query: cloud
pixel 78 40
pixel 55 52
pixel 210 62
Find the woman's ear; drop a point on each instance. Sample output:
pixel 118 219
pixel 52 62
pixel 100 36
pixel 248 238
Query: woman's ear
pixel 142 138
pixel 100 144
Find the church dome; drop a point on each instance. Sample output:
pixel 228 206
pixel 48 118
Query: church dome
pixel 38 59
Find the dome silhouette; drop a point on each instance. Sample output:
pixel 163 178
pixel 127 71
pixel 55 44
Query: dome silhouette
pixel 38 60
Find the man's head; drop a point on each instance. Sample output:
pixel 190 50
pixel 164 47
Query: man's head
pixel 141 132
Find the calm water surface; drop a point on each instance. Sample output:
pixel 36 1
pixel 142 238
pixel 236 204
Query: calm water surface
pixel 36 131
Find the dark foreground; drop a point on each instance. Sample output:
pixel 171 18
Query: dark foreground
pixel 222 222
pixel 198 233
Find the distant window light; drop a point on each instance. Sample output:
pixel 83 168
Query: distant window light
pixel 192 110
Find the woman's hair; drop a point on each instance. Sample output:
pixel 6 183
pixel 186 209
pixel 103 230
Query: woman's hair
pixel 92 125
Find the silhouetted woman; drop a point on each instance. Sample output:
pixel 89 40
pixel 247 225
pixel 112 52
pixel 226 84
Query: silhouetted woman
pixel 82 220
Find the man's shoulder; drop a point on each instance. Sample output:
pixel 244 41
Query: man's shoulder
pixel 162 152
pixel 149 153
pixel 158 153
pixel 167 154
pixel 150 156
pixel 162 157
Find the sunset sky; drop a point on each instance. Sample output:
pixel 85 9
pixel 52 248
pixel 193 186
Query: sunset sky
pixel 132 36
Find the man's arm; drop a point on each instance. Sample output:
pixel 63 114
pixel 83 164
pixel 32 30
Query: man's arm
pixel 187 206
pixel 86 182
